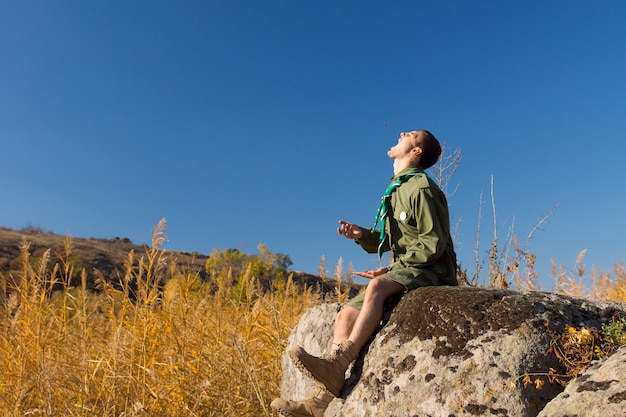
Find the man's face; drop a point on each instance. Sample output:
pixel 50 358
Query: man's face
pixel 406 143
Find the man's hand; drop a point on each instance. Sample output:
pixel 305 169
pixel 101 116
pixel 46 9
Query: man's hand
pixel 349 230
pixel 373 273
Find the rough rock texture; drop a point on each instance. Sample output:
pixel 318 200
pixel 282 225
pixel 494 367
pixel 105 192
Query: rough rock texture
pixel 600 391
pixel 450 351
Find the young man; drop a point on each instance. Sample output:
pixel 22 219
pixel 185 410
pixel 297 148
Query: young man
pixel 415 226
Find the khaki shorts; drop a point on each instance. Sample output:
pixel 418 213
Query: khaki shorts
pixel 410 278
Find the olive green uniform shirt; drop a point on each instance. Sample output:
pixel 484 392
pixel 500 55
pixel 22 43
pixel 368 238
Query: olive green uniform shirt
pixel 417 230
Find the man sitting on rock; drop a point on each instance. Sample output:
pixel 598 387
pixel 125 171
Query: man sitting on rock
pixel 415 225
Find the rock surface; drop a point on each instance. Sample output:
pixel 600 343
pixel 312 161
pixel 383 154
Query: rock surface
pixel 600 391
pixel 452 351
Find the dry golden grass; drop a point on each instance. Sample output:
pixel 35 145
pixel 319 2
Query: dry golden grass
pixel 515 269
pixel 188 348
pixel 597 285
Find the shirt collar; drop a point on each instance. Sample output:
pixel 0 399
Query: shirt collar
pixel 406 171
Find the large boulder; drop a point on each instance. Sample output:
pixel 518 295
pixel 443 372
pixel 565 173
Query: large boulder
pixel 451 351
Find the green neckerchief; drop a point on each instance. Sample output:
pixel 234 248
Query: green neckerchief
pixel 383 208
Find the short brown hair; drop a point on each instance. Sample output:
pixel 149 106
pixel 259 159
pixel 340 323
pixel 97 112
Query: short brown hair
pixel 431 149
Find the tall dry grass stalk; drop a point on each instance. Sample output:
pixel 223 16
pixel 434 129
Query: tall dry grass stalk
pixel 142 346
pixel 596 285
pixel 508 263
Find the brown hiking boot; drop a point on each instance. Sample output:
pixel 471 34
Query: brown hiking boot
pixel 331 371
pixel 314 405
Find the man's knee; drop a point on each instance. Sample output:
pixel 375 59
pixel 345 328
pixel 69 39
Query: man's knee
pixel 381 288
pixel 347 315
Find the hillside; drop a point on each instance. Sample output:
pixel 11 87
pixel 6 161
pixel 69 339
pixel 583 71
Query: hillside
pixel 107 256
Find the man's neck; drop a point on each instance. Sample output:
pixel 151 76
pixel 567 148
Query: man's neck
pixel 402 164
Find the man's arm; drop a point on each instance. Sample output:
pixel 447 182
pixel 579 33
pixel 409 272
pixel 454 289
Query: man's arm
pixel 365 237
pixel 357 233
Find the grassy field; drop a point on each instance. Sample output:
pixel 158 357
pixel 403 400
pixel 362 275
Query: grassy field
pixel 187 346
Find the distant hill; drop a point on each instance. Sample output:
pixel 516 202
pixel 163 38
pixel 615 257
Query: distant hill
pixel 106 255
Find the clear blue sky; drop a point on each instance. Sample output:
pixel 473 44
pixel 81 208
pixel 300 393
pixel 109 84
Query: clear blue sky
pixel 247 122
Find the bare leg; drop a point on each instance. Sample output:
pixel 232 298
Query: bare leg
pixel 371 314
pixel 344 322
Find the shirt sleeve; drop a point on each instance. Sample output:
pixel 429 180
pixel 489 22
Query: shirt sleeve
pixel 428 244
pixel 370 239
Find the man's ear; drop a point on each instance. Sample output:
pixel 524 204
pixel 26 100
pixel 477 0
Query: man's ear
pixel 417 151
